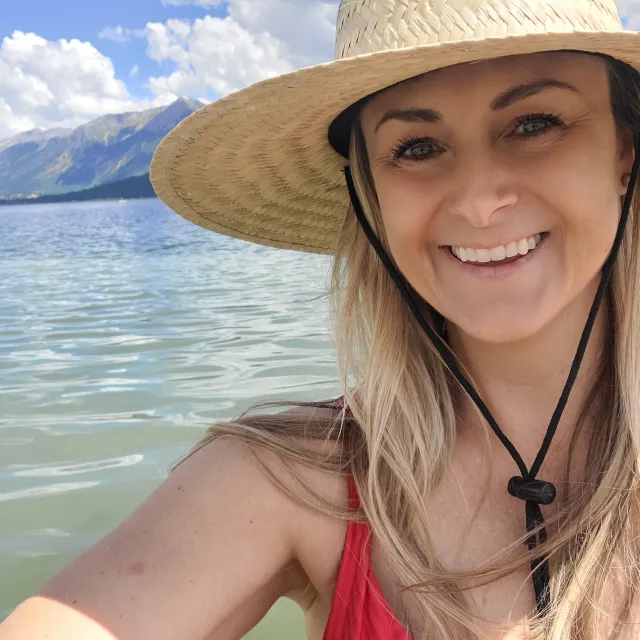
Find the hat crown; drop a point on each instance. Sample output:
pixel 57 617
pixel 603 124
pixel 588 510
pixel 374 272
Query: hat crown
pixel 368 26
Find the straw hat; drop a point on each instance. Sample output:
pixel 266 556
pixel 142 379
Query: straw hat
pixel 258 164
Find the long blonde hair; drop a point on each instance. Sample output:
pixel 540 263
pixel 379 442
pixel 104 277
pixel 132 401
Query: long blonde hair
pixel 401 429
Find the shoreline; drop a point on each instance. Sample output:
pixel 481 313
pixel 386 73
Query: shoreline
pixel 132 188
pixel 47 200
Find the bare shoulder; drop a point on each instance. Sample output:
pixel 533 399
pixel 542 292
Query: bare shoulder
pixel 205 555
pixel 318 538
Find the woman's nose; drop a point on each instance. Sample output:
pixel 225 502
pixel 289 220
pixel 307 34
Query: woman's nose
pixel 482 188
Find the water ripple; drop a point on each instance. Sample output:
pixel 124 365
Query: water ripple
pixel 45 490
pixel 78 468
pixel 124 331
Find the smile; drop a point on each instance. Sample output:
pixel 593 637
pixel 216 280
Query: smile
pixel 501 254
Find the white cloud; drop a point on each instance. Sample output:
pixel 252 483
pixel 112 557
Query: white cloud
pixel 305 27
pixel 213 53
pixel 256 40
pixel 63 83
pixel 630 13
pixel 170 41
pixel 120 34
pixel 11 123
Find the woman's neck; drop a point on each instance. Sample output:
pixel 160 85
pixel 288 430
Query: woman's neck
pixel 521 382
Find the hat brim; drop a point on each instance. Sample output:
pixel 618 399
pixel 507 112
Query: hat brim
pixel 257 164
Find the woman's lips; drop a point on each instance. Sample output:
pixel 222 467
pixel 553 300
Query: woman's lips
pixel 495 268
pixel 500 254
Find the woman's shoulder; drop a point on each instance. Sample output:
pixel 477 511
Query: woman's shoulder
pixel 219 527
pixel 299 496
pixel 294 492
pixel 318 536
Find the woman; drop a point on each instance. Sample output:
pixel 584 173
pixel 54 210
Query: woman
pixel 491 234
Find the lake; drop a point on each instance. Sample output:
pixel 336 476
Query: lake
pixel 124 332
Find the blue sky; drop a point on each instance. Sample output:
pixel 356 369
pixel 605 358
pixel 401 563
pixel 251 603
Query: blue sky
pixel 85 20
pixel 65 62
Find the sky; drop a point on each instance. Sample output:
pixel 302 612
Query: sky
pixel 65 62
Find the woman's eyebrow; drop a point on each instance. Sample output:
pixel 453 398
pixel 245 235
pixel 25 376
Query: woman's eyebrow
pixel 411 115
pixel 521 91
pixel 502 101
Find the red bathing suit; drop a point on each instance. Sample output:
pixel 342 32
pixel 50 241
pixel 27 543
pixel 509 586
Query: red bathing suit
pixel 359 610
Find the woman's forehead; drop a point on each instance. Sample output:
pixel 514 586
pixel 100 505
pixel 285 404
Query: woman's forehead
pixel 585 72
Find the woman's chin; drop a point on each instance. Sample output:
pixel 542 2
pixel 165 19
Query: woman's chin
pixel 502 328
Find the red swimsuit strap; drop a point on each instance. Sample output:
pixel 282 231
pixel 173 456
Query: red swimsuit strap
pixel 354 498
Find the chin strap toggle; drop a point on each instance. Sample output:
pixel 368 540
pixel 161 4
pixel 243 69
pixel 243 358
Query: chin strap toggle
pixel 537 491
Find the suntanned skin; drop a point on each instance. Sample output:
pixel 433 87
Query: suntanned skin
pixel 207 554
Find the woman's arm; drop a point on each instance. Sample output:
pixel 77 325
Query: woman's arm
pixel 209 550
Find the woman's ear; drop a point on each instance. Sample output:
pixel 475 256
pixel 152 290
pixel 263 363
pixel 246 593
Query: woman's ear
pixel 625 159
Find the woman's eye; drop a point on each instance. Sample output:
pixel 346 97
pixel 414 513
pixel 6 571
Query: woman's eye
pixel 535 126
pixel 416 149
pixel 536 123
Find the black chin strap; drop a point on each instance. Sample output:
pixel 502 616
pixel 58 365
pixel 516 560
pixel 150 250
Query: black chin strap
pixel 526 487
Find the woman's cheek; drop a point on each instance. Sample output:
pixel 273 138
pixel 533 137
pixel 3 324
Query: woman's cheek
pixel 407 237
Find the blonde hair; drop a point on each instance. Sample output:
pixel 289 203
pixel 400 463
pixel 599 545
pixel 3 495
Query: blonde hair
pixel 401 429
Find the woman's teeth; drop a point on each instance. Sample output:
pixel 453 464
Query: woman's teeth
pixel 499 253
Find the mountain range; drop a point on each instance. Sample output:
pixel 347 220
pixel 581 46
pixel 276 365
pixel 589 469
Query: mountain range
pixel 106 150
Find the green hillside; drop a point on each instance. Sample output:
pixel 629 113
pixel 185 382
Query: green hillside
pixel 105 150
pixel 135 187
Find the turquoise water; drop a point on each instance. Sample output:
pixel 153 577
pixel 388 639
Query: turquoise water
pixel 124 331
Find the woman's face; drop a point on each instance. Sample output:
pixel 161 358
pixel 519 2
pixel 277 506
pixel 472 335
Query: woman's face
pixel 499 184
